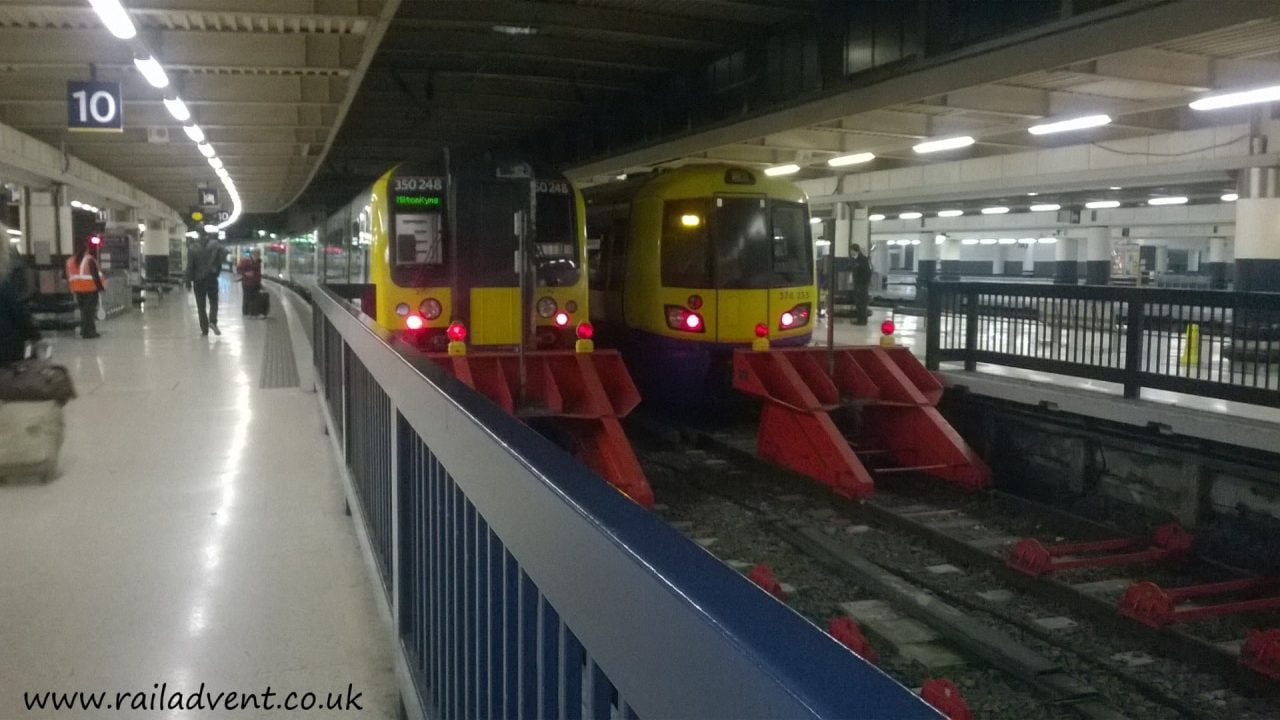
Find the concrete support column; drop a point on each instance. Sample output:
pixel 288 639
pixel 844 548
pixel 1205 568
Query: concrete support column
pixel 1216 267
pixel 155 250
pixel 1258 244
pixel 926 259
pixel 880 261
pixel 843 230
pixel 860 231
pixel 1097 259
pixel 1193 261
pixel 1066 256
pixel 949 268
pixel 49 231
pixel 1029 260
pixel 1162 259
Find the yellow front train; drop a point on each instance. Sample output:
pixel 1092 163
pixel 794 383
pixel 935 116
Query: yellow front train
pixel 695 262
pixel 437 244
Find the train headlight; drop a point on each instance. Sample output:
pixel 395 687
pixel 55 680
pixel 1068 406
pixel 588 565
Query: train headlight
pixel 431 308
pixel 547 307
pixel 414 322
pixel 402 309
pixel 562 319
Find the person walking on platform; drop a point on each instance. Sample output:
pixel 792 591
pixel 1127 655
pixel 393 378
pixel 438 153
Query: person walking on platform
pixel 204 265
pixel 250 272
pixel 861 284
pixel 85 280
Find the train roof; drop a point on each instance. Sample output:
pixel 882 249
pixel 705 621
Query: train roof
pixel 693 181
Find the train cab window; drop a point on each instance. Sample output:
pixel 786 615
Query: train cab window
pixel 792 249
pixel 686 245
pixel 557 238
pixel 419 239
pixel 743 253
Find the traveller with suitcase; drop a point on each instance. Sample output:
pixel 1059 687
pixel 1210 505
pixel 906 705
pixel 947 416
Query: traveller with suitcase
pixel 256 301
pixel 32 393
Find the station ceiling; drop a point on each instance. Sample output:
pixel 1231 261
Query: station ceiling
pixel 311 99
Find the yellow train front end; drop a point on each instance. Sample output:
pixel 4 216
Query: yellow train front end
pixel 717 257
pixel 440 258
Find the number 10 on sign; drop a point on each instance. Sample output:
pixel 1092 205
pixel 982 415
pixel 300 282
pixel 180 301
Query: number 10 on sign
pixel 94 106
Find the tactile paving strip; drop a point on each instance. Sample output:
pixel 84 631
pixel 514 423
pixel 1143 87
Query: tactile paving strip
pixel 279 369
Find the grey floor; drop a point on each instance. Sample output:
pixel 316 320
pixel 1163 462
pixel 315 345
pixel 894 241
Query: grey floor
pixel 196 534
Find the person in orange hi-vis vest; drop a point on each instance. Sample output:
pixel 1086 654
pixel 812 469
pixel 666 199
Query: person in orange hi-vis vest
pixel 85 280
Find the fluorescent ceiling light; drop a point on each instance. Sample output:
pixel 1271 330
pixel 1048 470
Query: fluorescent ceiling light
pixel 877 217
pixel 515 29
pixel 939 239
pixel 151 70
pixel 815 220
pixel 206 150
pixel 11 231
pixel 211 228
pixel 1032 194
pixel 113 15
pixel 998 210
pixel 988 241
pixel 1102 204
pixel 215 163
pixel 1080 123
pixel 142 227
pixel 952 143
pixel 950 213
pixel 821 243
pixel 969 241
pixel 1230 197
pixel 1027 241
pixel 1236 99
pixel 1175 200
pixel 1011 241
pixel 1047 240
pixel 222 172
pixel 1045 207
pixel 916 241
pixel 787 169
pixel 854 159
pixel 1115 187
pixel 194 132
pixel 76 204
pixel 910 216
pixel 178 109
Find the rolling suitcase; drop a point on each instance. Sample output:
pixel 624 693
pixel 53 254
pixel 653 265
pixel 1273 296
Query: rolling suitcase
pixel 30 439
pixel 260 303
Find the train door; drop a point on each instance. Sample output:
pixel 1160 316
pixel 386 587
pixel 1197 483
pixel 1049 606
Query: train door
pixel 740 236
pixel 488 256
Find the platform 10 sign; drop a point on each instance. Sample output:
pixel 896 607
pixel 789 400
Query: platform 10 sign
pixel 94 106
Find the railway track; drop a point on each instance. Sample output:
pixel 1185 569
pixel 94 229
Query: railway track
pixel 1026 647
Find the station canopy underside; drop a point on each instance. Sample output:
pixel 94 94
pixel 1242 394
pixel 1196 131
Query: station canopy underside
pixel 307 101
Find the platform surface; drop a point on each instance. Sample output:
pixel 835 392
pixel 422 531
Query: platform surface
pixel 196 533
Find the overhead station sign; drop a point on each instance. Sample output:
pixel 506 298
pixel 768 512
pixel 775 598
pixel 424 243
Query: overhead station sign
pixel 94 107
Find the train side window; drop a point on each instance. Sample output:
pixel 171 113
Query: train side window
pixel 686 248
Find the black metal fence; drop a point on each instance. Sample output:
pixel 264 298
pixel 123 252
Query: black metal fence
pixel 521 585
pixel 1202 342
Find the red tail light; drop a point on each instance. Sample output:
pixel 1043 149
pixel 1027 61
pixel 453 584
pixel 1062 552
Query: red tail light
pixel 796 317
pixel 585 331
pixel 414 322
pixel 887 327
pixel 762 330
pixel 562 319
pixel 684 320
pixel 457 332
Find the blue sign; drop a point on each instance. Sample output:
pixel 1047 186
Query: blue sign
pixel 94 106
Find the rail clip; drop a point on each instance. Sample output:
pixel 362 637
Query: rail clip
pixel 945 697
pixel 1156 607
pixel 896 419
pixel 587 393
pixel 1034 558
pixel 1261 652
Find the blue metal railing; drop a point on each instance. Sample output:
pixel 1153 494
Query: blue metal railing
pixel 523 586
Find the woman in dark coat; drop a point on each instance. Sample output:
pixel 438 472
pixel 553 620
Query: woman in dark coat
pixel 16 325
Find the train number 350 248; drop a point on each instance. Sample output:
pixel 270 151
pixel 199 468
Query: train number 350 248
pixel 415 184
